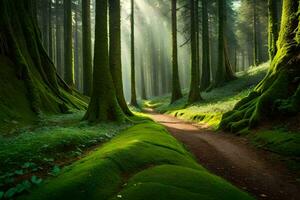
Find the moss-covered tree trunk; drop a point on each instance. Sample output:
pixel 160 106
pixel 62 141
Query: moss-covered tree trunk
pixel 68 44
pixel 115 59
pixel 279 92
pixel 255 38
pixel 224 71
pixel 39 86
pixel 176 89
pixel 133 101
pixel 103 105
pixel 273 28
pixel 87 47
pixel 205 74
pixel 50 30
pixel 194 94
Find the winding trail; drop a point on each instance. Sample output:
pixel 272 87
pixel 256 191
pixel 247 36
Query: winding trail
pixel 234 159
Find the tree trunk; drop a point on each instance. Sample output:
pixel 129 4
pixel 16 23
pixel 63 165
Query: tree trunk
pixel 255 39
pixel 69 67
pixel 30 65
pixel 59 46
pixel 278 94
pixel 103 106
pixel 205 74
pixel 87 47
pixel 224 71
pixel 133 101
pixel 50 30
pixel 115 59
pixel 194 94
pixel 273 28
pixel 176 89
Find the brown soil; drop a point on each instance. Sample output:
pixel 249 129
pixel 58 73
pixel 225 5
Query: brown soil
pixel 232 158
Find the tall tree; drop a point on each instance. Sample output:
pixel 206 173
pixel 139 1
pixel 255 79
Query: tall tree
pixel 133 101
pixel 176 89
pixel 58 36
pixel 278 94
pixel 205 75
pixel 33 74
pixel 194 94
pixel 224 71
pixel 255 39
pixel 87 47
pixel 50 29
pixel 68 44
pixel 273 28
pixel 115 59
pixel 103 105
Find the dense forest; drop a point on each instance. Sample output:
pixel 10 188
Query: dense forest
pixel 140 99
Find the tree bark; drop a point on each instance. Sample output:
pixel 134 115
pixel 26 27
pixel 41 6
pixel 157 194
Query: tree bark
pixel 176 89
pixel 205 75
pixel 273 28
pixel 44 90
pixel 194 94
pixel 115 58
pixel 103 106
pixel 68 44
pixel 87 48
pixel 133 101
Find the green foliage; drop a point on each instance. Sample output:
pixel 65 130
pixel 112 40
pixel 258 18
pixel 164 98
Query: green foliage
pixel 143 162
pixel 216 102
pixel 279 141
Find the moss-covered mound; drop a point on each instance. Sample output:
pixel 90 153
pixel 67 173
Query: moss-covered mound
pixel 143 162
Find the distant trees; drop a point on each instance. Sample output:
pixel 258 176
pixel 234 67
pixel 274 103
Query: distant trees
pixel 224 71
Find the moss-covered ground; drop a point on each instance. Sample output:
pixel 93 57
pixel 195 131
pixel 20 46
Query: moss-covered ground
pixel 276 138
pixel 142 162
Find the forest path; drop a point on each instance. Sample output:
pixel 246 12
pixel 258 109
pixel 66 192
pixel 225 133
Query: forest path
pixel 234 159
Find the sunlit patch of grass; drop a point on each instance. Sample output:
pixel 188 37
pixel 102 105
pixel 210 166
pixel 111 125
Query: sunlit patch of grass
pixel 215 102
pixel 143 162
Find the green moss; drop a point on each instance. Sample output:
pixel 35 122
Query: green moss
pixel 178 182
pixel 279 141
pixel 135 153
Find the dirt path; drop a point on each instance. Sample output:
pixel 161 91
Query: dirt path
pixel 233 159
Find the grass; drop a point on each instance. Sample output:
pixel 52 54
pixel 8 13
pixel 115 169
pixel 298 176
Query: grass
pixel 42 149
pixel 142 162
pixel 215 103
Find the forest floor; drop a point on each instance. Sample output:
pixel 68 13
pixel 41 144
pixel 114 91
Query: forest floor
pixel 234 159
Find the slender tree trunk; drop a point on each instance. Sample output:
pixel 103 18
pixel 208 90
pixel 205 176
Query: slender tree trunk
pixel 255 39
pixel 68 47
pixel 87 47
pixel 224 71
pixel 58 21
pixel 273 28
pixel 76 50
pixel 115 59
pixel 133 101
pixel 103 105
pixel 50 30
pixel 45 23
pixel 176 89
pixel 143 80
pixel 205 75
pixel 194 94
